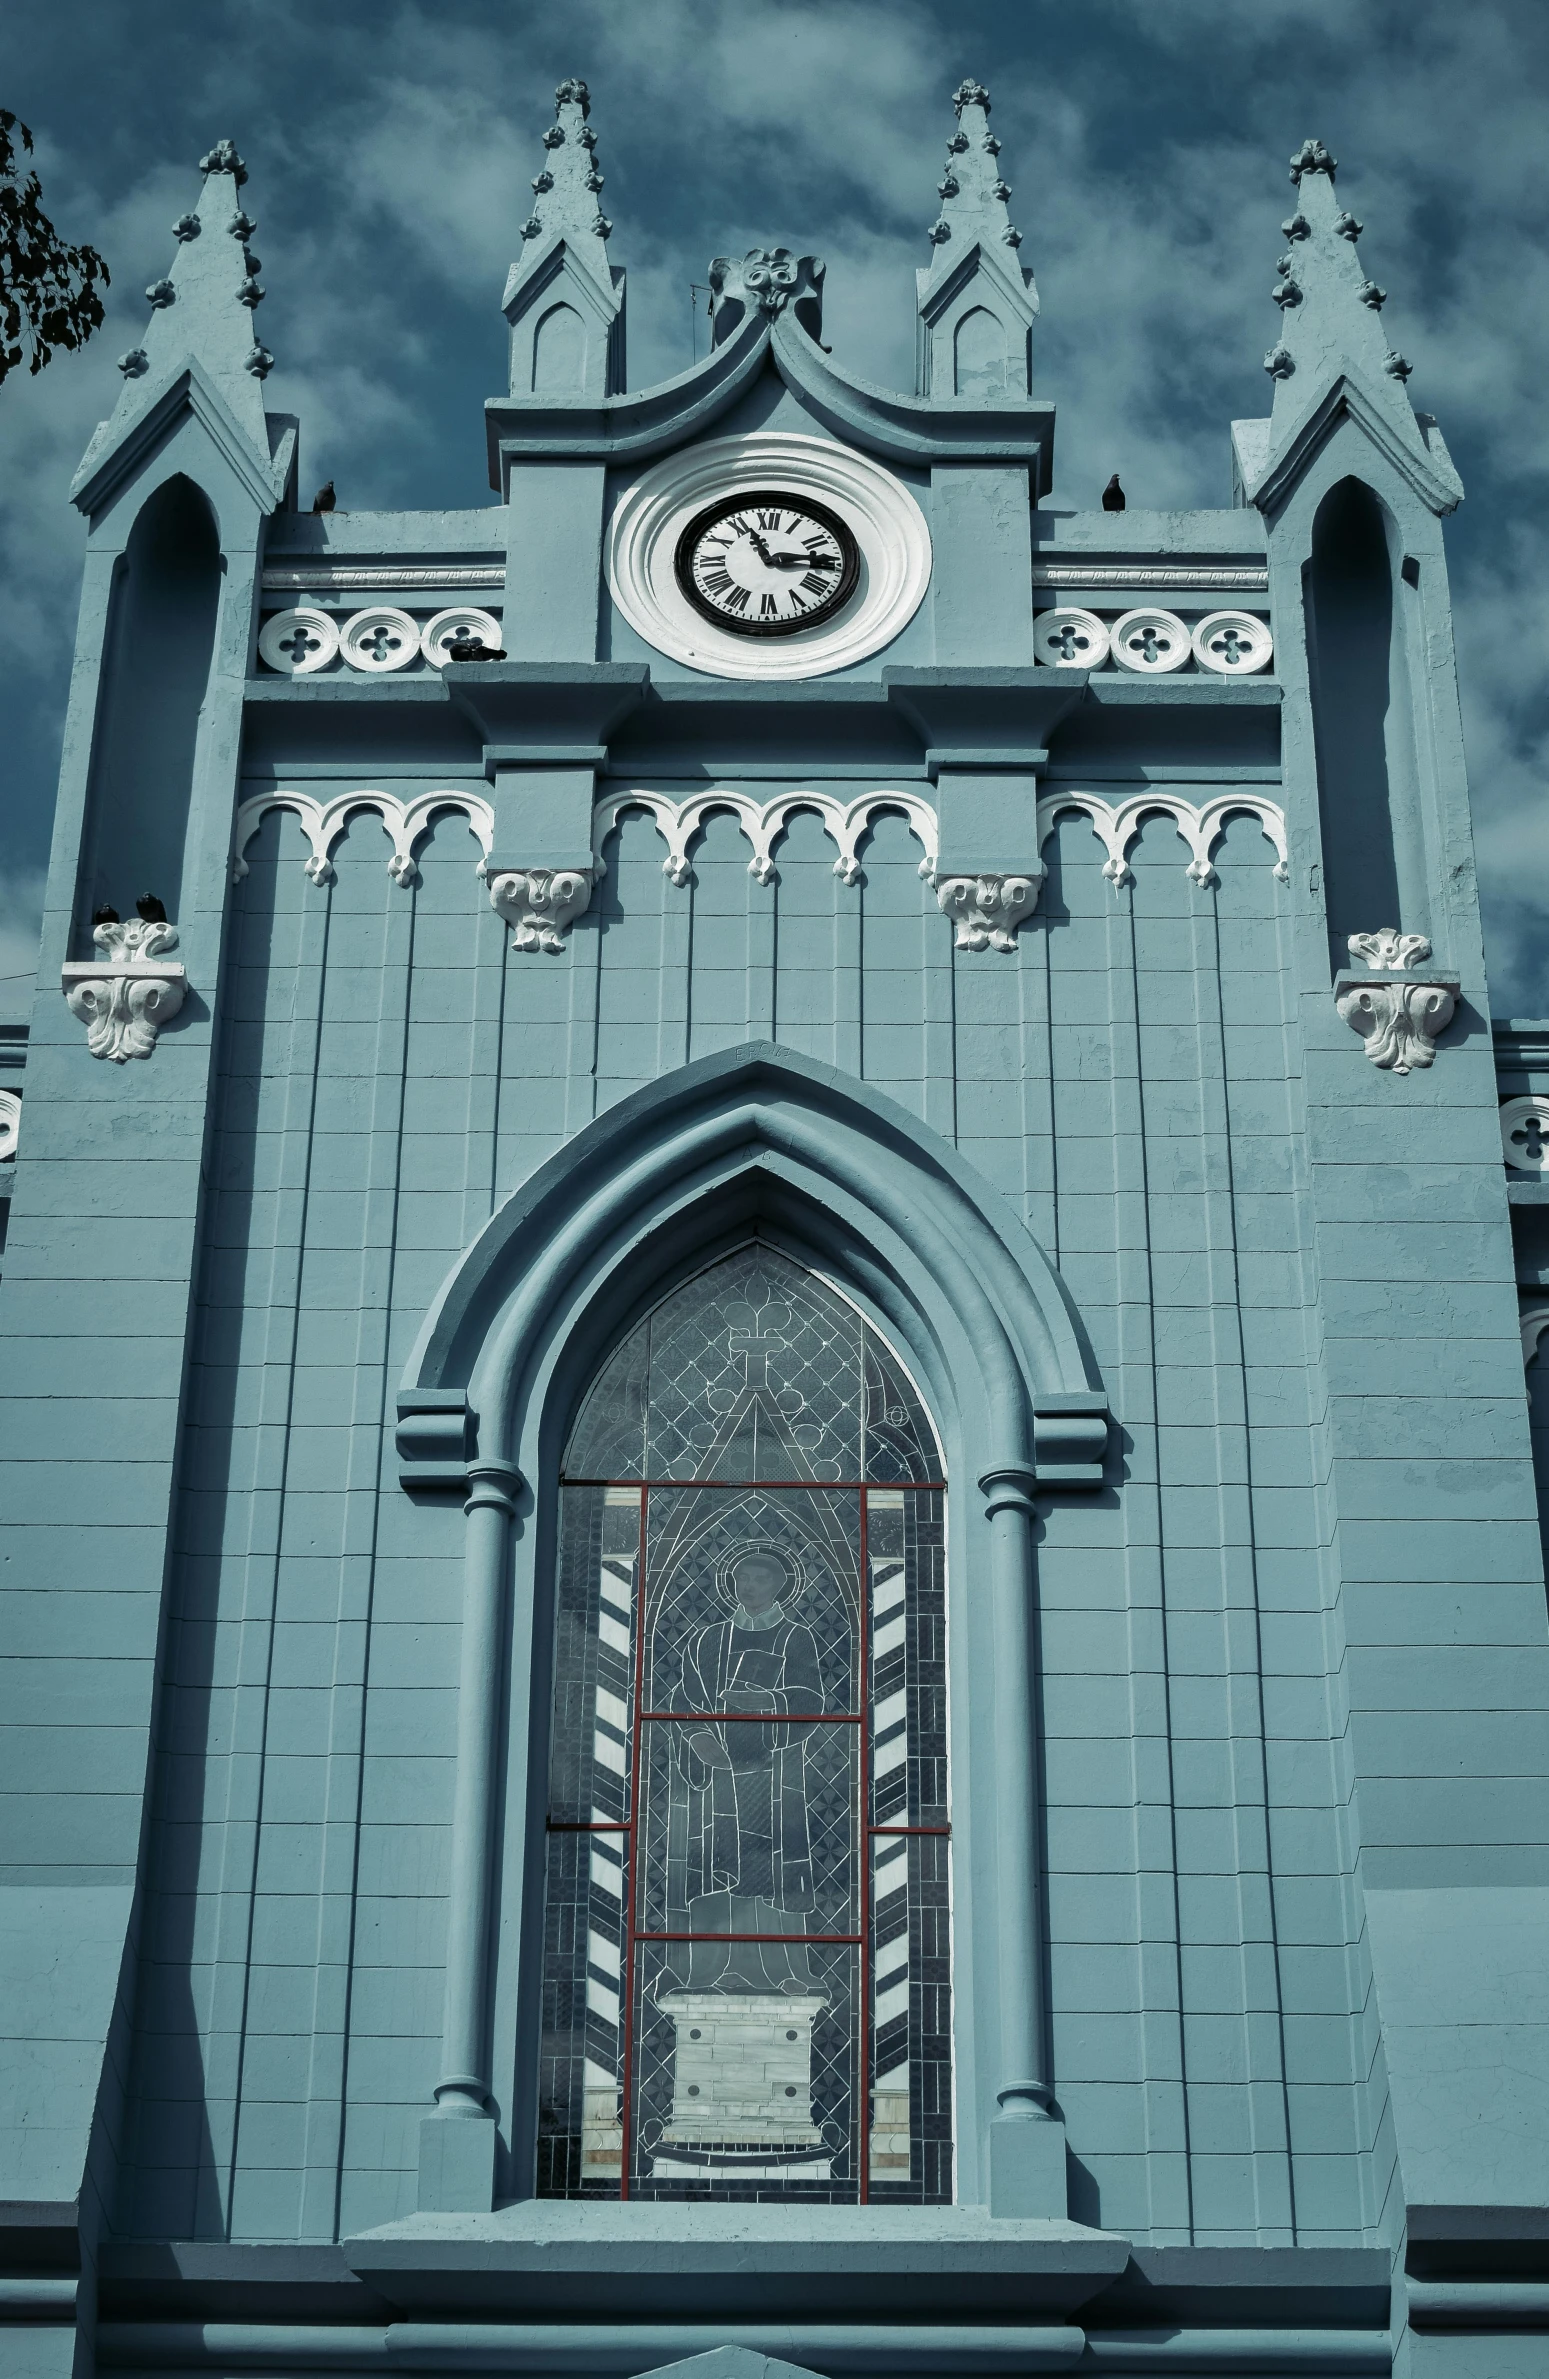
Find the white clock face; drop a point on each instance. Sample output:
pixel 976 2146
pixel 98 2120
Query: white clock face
pixel 767 564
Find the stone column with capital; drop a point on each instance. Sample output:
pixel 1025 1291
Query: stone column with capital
pixel 1027 2140
pixel 457 2142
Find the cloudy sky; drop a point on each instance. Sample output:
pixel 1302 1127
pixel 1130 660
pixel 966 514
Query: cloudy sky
pixel 390 149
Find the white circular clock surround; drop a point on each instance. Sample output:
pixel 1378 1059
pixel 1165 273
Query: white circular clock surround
pixel 887 524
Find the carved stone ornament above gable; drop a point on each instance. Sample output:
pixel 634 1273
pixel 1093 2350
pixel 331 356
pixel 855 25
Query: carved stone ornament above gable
pixel 125 997
pixel 1400 1014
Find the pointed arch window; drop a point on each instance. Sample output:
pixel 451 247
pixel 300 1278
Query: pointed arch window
pixel 747 1972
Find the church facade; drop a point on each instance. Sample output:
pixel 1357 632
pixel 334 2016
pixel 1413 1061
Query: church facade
pixel 772 1584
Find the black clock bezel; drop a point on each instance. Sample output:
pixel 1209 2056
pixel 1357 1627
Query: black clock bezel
pixel 839 530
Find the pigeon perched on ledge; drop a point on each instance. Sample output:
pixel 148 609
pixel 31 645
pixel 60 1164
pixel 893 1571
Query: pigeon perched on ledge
pixel 1113 495
pixel 323 501
pixel 473 648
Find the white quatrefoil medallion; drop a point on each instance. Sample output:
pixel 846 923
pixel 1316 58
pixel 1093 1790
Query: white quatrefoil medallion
pixel 380 639
pixel 1232 643
pixel 1070 639
pixel 448 626
pixel 297 642
pixel 1150 642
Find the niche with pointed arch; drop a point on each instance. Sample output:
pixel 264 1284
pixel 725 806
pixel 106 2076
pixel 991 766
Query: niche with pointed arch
pixel 156 668
pixel 1359 608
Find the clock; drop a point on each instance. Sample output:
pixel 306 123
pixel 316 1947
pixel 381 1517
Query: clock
pixel 767 563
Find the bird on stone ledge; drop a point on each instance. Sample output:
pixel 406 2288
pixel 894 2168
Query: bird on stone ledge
pixel 1113 495
pixel 151 909
pixel 473 648
pixel 323 501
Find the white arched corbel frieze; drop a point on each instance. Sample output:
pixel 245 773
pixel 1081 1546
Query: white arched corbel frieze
pixel 763 823
pixel 322 822
pixel 1116 825
pixel 986 910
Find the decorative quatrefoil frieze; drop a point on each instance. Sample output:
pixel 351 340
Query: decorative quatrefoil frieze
pixel 1153 643
pixel 376 642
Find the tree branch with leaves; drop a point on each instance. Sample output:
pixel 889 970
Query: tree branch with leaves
pixel 49 291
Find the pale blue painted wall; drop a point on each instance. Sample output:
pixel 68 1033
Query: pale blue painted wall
pixel 1294 1666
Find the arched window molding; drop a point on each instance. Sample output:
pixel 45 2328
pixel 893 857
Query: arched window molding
pixel 851 1186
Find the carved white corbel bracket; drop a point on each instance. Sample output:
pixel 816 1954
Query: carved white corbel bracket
pixel 541 903
pixel 987 910
pixel 10 1123
pixel 126 996
pixel 1399 1013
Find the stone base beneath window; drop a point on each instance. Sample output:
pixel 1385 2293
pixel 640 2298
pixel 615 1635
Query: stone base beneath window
pixel 742 2077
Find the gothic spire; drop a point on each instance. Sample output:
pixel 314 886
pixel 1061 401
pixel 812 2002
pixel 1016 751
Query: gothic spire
pixel 567 187
pixel 203 309
pixel 1330 311
pixel 1333 356
pixel 566 237
pixel 975 277
pixel 972 192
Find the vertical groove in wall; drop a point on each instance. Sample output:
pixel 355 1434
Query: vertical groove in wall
pixel 369 1442
pixel 1268 2106
pixel 240 1892
pixel 1164 2043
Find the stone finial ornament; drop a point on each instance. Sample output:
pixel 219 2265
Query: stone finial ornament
pixel 1313 157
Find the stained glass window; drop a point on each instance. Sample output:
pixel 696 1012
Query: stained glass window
pixel 747 1962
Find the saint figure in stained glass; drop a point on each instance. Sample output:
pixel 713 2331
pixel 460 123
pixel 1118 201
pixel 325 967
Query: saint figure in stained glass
pixel 741 1790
